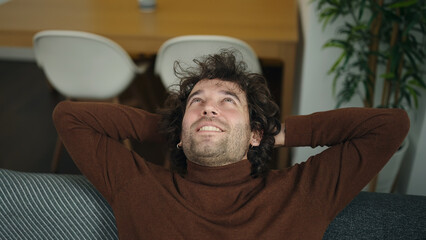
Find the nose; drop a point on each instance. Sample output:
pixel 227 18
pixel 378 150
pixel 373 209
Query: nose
pixel 209 111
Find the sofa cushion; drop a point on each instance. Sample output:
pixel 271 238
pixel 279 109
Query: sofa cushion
pixel 380 216
pixel 48 206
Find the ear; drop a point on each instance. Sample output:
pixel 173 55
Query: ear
pixel 256 137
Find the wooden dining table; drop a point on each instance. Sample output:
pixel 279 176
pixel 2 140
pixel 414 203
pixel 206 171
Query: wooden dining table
pixel 270 27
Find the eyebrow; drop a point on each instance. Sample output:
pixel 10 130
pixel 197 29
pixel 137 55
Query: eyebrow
pixel 225 92
pixel 230 93
pixel 198 92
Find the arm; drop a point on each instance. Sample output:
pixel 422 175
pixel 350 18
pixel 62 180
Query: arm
pixel 92 134
pixel 280 137
pixel 360 141
pixel 384 127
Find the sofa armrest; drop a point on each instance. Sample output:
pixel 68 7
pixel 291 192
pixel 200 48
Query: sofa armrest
pixel 380 216
pixel 52 206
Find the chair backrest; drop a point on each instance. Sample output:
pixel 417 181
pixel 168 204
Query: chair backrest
pixel 83 65
pixel 186 48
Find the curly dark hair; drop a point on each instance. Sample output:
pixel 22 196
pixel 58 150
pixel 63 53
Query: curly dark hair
pixel 263 111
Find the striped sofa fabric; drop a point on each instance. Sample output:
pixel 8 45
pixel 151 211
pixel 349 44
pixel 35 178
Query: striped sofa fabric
pixel 47 206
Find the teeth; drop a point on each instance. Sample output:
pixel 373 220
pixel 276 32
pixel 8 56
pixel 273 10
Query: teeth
pixel 210 128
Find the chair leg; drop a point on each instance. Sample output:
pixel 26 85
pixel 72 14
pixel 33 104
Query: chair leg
pixel 116 100
pixel 56 156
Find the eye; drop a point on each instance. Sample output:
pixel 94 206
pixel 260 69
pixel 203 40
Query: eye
pixel 195 100
pixel 230 100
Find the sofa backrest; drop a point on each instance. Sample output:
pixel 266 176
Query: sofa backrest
pixel 55 206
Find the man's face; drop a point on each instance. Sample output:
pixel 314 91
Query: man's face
pixel 216 125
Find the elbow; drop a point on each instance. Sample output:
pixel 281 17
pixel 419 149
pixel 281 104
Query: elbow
pixel 404 121
pixel 60 111
pixel 400 123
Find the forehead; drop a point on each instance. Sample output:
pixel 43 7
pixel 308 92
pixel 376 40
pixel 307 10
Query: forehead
pixel 207 85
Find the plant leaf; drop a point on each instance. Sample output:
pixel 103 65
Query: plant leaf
pixel 361 9
pixel 411 59
pixel 409 27
pixel 333 68
pixel 335 43
pixel 413 94
pixel 402 4
pixel 388 75
pixel 417 83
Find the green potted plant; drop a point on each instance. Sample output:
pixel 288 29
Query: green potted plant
pixel 382 52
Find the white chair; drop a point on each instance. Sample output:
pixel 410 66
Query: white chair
pixel 186 48
pixel 82 65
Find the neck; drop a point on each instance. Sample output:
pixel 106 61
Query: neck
pixel 213 162
pixel 220 175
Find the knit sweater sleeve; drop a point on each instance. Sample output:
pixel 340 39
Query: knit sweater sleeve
pixel 360 141
pixel 92 134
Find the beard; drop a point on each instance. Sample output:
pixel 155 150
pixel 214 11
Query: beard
pixel 216 150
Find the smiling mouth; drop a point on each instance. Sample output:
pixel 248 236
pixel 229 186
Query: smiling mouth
pixel 209 129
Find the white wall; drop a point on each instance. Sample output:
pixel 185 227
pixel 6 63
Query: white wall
pixel 413 177
pixel 315 94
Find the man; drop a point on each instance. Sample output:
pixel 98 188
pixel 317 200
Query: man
pixel 223 125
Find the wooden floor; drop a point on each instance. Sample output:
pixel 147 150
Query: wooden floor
pixel 27 134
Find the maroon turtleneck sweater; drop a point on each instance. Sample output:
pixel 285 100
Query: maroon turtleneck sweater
pixel 150 202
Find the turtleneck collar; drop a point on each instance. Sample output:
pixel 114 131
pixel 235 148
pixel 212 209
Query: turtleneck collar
pixel 230 174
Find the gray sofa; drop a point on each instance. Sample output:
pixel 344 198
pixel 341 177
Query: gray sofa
pixel 58 206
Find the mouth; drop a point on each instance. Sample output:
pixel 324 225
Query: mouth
pixel 209 128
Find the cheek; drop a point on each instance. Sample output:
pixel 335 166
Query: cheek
pixel 184 123
pixel 187 120
pixel 239 117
